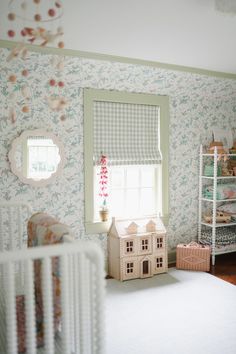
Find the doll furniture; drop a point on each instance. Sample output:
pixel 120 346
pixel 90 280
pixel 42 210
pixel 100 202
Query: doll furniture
pixel 137 248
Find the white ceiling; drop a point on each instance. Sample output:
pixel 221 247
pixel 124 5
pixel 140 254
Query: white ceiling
pixel 183 32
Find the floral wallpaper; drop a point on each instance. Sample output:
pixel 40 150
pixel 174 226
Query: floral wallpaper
pixel 197 104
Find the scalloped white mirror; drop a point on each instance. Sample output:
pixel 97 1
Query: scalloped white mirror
pixel 37 157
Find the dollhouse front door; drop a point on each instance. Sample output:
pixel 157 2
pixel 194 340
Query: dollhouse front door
pixel 145 271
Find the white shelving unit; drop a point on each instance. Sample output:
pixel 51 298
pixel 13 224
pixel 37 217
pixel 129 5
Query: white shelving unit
pixel 212 202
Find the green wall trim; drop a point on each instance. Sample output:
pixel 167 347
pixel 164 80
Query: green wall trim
pixel 114 58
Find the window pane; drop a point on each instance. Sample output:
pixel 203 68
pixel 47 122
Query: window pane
pixel 147 201
pixel 132 191
pixel 117 202
pixel 132 202
pixel 147 176
pixel 132 177
pixel 117 177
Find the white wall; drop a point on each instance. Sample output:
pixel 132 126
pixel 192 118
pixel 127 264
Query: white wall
pixel 183 32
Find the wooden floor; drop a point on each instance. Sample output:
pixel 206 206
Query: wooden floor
pixel 225 267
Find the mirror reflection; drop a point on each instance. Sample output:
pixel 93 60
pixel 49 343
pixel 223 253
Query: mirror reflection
pixel 40 157
pixel 36 156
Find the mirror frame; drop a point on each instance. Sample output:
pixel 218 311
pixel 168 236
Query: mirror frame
pixel 19 140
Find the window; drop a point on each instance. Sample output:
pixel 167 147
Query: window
pixel 134 129
pixel 129 267
pixel 129 246
pixel 133 191
pixel 159 262
pixel 159 242
pixel 144 245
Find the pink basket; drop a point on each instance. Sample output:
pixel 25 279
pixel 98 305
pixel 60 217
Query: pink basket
pixel 193 256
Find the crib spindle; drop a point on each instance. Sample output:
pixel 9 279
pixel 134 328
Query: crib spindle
pixel 10 307
pixel 93 309
pixel 65 304
pixel 82 285
pixel 1 231
pixel 71 302
pixel 76 305
pixel 47 304
pixel 30 307
pixel 82 301
pixel 99 288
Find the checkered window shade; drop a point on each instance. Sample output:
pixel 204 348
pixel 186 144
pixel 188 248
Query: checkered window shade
pixel 127 133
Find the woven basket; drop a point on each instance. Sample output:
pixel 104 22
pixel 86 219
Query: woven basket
pixel 193 256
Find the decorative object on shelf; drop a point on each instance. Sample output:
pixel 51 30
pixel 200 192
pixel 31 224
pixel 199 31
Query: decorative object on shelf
pixel 221 217
pixel 193 256
pixel 209 170
pixel 229 208
pixel 137 248
pixel 219 147
pixel 103 187
pixel 222 191
pixel 225 169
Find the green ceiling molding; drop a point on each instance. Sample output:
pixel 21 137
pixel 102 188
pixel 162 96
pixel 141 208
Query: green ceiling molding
pixel 97 56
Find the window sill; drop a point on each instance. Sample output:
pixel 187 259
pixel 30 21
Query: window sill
pixel 102 227
pixel 97 227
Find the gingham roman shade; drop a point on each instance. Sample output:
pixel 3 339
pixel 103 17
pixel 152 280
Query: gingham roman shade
pixel 126 133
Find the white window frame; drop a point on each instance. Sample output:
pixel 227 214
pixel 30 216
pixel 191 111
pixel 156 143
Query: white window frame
pixel 92 95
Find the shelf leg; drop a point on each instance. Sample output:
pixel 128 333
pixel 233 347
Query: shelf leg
pixel 213 257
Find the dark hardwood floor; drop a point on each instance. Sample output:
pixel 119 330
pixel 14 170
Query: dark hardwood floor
pixel 225 267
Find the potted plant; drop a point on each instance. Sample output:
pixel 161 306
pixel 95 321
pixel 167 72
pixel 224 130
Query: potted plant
pixel 103 188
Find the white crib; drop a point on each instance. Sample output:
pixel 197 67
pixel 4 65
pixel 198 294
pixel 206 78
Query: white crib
pixel 82 280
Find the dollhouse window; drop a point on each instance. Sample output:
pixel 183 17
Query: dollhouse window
pixel 159 242
pixel 159 262
pixel 131 130
pixel 144 245
pixel 130 267
pixel 129 246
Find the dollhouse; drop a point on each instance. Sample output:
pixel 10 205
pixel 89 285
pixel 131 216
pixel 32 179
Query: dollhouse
pixel 137 248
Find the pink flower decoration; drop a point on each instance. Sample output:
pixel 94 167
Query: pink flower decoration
pixel 103 180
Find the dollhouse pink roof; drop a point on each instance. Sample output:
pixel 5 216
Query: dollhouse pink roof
pixel 120 228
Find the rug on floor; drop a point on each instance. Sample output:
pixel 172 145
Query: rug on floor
pixel 181 312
